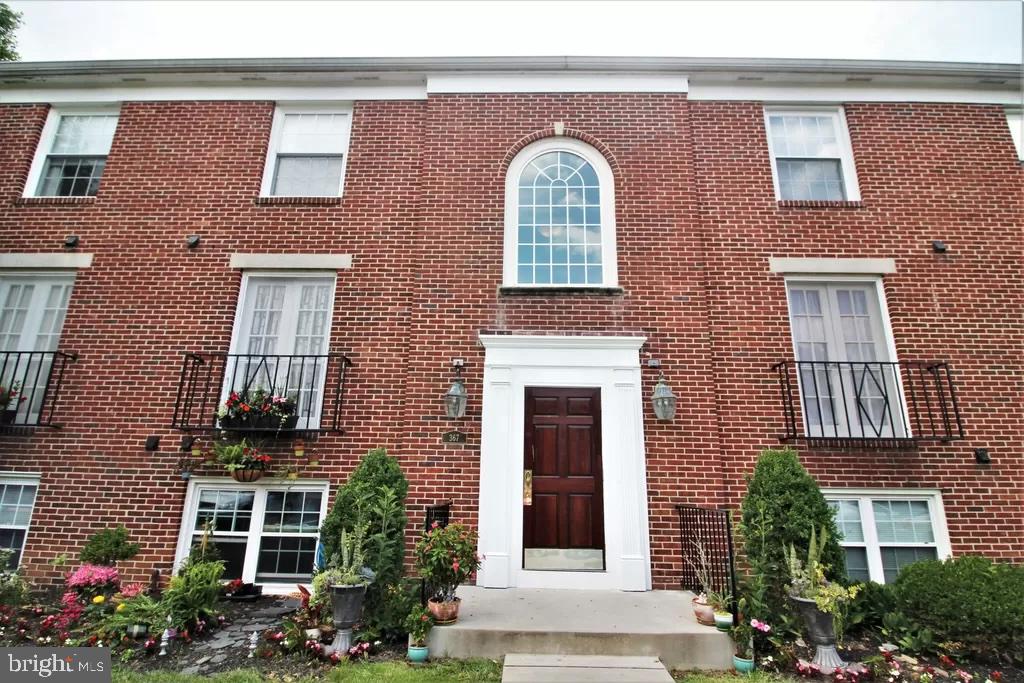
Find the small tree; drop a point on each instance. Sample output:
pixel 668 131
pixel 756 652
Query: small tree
pixel 9 21
pixel 782 506
pixel 109 546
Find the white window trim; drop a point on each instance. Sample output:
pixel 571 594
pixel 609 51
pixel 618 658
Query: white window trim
pixel 48 134
pixel 23 478
pixel 280 262
pixel 849 168
pixel 1015 121
pixel 883 308
pixel 280 110
pixel 609 260
pixel 832 266
pixel 864 496
pixel 252 548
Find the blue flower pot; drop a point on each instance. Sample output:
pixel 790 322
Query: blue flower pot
pixel 418 654
pixel 743 666
pixel 723 621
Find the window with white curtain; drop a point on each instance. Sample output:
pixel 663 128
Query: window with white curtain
pixel 72 153
pixel 884 531
pixel 811 154
pixel 307 154
pixel 281 339
pixel 560 223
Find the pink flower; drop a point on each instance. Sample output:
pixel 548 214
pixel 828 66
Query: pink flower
pixel 93 576
pixel 760 626
pixel 455 566
pixel 132 589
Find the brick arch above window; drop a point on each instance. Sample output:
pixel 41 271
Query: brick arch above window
pixel 573 133
pixel 560 216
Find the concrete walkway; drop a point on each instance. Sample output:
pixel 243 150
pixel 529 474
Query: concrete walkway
pixel 580 668
pixel 656 624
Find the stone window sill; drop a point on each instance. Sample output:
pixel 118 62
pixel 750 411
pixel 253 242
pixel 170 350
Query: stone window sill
pixel 51 201
pixel 818 204
pixel 561 291
pixel 297 201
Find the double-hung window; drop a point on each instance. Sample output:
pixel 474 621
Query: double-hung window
pixel 72 153
pixel 32 310
pixel 560 217
pixel 17 498
pixel 281 340
pixel 266 533
pixel 811 155
pixel 308 151
pixel 884 531
pixel 849 384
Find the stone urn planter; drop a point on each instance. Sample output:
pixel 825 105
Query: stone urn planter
pixel 821 633
pixel 444 612
pixel 346 607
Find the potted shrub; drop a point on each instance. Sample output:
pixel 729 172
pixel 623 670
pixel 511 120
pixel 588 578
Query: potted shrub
pixel 258 410
pixel 243 460
pixel 347 577
pixel 418 624
pixel 702 611
pixel 719 603
pixel 818 600
pixel 10 397
pixel 743 638
pixel 446 557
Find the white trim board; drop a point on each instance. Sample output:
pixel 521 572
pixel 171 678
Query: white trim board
pixel 848 92
pixel 514 362
pixel 291 261
pixel 540 82
pixel 41 261
pixel 830 266
pixel 212 92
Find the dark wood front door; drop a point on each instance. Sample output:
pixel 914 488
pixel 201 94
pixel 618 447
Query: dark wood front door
pixel 563 452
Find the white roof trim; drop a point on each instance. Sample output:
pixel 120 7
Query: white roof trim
pixel 844 266
pixel 209 92
pixel 812 93
pixel 291 261
pixel 44 261
pixel 538 341
pixel 540 82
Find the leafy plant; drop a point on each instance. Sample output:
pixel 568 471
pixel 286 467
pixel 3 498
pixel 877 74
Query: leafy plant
pixel 446 557
pixel 348 564
pixel 108 547
pixel 240 456
pixel 910 637
pixel 866 611
pixel 971 600
pixel 13 588
pixel 9 21
pixel 203 550
pixel 255 403
pixel 418 624
pixel 782 506
pixel 192 593
pixel 139 609
pixel 807 580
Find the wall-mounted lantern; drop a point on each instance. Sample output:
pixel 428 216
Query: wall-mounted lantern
pixel 662 399
pixel 456 398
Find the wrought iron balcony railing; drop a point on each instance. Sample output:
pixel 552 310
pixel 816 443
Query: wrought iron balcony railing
pixel 869 404
pixel 228 391
pixel 30 384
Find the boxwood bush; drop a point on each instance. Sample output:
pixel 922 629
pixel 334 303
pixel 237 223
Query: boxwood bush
pixel 969 600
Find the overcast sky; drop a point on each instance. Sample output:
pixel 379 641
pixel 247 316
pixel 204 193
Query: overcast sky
pixel 979 31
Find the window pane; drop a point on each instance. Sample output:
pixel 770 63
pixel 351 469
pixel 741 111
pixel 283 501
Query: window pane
pixel 803 136
pixel 802 179
pixel 71 176
pixel 555 193
pixel 848 520
pixel 895 559
pixel 313 134
pixel 292 512
pixel 857 564
pixel 232 552
pixel 307 176
pixel 903 521
pixel 84 135
pixel 230 510
pixel 13 539
pixel 286 558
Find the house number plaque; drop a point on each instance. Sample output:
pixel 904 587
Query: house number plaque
pixel 454 436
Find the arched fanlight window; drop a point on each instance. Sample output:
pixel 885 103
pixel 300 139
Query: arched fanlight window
pixel 560 228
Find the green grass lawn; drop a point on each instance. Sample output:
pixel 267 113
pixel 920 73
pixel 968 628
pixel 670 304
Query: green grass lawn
pixel 727 677
pixel 385 672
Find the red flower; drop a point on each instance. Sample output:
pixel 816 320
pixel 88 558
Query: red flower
pixel 245 407
pixel 455 566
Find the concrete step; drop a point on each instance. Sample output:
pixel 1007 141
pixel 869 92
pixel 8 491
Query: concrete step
pixel 658 624
pixel 532 668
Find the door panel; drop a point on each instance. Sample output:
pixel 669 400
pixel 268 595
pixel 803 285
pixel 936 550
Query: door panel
pixel 563 451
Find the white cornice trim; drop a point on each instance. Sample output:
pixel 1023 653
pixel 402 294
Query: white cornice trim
pixel 519 341
pixel 291 261
pixel 558 82
pixel 844 266
pixel 45 261
pixel 210 92
pixel 811 93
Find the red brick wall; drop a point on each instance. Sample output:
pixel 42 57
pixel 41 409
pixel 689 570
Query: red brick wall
pixel 423 217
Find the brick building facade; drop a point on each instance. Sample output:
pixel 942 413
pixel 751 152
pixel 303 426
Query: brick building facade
pixel 727 216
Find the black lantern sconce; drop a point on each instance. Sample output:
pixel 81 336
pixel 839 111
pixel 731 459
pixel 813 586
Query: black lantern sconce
pixel 662 399
pixel 456 399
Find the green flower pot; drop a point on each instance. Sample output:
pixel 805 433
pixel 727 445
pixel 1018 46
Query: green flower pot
pixel 418 654
pixel 743 666
pixel 723 621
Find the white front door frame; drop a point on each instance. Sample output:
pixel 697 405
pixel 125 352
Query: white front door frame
pixel 514 362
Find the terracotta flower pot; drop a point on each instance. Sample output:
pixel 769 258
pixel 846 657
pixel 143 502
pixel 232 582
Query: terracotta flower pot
pixel 703 612
pixel 247 475
pixel 444 612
